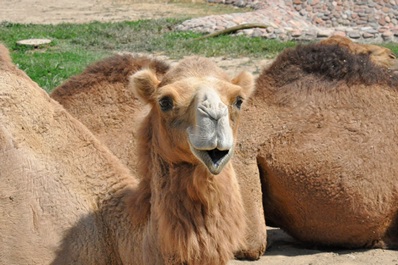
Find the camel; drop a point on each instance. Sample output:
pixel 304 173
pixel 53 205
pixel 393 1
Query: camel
pixel 333 216
pixel 197 214
pixel 101 99
pixel 54 177
pixel 67 199
pixel 379 55
pixel 327 146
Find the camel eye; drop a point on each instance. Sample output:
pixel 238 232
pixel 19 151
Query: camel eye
pixel 238 102
pixel 166 103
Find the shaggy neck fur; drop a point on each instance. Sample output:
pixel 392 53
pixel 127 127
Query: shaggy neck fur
pixel 197 217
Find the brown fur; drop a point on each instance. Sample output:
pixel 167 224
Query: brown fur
pixel 99 98
pixel 63 190
pixel 56 183
pixel 327 146
pixel 196 217
pixel 381 56
pixel 120 134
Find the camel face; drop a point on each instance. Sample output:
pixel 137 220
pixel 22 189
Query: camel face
pixel 199 114
pixel 211 137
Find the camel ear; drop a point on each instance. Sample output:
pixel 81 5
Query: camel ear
pixel 246 81
pixel 144 84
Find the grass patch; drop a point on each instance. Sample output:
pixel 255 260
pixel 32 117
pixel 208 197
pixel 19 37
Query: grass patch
pixel 229 46
pixel 392 46
pixel 75 46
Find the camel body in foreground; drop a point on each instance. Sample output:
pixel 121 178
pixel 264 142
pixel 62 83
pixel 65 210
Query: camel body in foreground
pixel 66 199
pixel 327 145
pixel 55 177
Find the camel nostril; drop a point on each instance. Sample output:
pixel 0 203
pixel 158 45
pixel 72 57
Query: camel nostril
pixel 216 155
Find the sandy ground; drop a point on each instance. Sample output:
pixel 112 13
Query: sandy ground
pixel 283 250
pixel 58 11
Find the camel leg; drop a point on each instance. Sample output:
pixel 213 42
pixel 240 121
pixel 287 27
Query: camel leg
pixel 249 180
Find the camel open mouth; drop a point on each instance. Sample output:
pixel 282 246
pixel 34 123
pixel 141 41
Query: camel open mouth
pixel 214 159
pixel 217 155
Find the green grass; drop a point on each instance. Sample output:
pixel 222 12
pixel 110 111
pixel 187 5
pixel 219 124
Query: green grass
pixel 75 46
pixel 392 46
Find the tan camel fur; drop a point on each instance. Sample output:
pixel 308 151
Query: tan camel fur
pixel 66 198
pixel 184 150
pixel 379 55
pixel 55 176
pixel 101 99
pixel 327 146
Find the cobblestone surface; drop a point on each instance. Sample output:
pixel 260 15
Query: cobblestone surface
pixel 367 21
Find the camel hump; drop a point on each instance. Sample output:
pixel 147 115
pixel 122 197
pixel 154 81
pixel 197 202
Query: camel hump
pixel 5 58
pixel 113 70
pixel 327 62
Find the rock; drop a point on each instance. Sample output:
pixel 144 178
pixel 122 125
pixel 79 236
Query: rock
pixel 296 33
pixel 382 21
pixel 324 33
pixel 270 29
pixel 387 35
pixel 354 34
pixel 36 43
pixel 339 33
pixel 303 12
pixel 367 35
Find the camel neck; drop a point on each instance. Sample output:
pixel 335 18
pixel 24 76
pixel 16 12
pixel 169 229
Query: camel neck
pixel 188 178
pixel 191 206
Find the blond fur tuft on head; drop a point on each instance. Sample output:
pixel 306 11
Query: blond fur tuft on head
pixel 246 81
pixel 144 84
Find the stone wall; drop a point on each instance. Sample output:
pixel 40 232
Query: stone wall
pixel 377 13
pixel 373 20
pixel 256 4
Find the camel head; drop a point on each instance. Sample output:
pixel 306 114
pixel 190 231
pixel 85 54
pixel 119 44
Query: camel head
pixel 194 111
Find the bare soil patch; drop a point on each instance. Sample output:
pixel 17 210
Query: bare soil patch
pixel 76 11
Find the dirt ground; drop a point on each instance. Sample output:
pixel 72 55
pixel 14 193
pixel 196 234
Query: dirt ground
pixel 283 250
pixel 77 11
